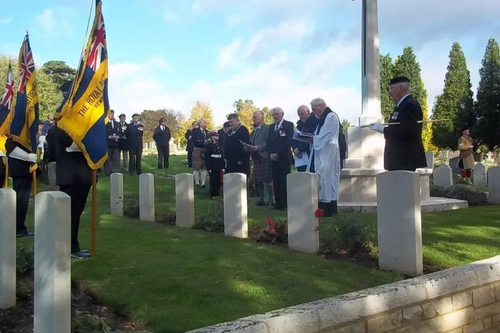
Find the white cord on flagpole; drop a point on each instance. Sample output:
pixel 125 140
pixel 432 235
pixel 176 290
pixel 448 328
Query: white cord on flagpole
pixel 87 29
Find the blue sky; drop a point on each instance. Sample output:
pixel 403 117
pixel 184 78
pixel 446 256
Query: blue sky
pixel 276 52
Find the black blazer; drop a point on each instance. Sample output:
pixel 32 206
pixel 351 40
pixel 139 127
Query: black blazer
pixel 308 127
pixel 189 140
pixel 404 149
pixel 123 143
pixel 134 135
pixel 280 141
pixel 18 168
pixel 198 137
pixel 162 138
pixel 51 143
pixel 2 170
pixel 110 130
pixel 71 168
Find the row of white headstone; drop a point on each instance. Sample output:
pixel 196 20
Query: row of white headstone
pixel 52 287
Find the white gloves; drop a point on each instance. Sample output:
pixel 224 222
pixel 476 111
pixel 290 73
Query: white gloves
pixel 32 158
pixel 73 148
pixel 377 127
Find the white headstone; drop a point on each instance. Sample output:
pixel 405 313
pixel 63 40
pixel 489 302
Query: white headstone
pixel 302 194
pixel 494 185
pixel 442 176
pixel 152 145
pixel 116 189
pixel 235 205
pixel 399 223
pixel 7 248
pixel 479 175
pixel 429 156
pixel 52 303
pixel 184 200
pixel 145 145
pixel 147 197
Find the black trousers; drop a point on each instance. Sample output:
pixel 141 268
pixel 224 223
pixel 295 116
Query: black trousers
pixel 163 156
pixel 78 195
pixel 215 180
pixel 232 166
pixel 112 164
pixel 280 169
pixel 135 160
pixel 22 186
pixel 301 168
pixel 190 158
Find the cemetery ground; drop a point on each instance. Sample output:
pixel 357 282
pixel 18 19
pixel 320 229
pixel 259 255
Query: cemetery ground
pixel 164 278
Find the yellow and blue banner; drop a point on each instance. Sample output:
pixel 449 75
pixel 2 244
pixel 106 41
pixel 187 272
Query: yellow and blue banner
pixel 83 112
pixel 6 103
pixel 24 125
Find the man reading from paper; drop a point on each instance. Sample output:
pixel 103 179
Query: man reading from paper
pixel 325 158
pixel 404 149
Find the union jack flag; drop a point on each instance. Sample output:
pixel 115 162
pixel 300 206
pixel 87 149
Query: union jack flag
pixel 27 65
pixel 6 102
pixel 98 50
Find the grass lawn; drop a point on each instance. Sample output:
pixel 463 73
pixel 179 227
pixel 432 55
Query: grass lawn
pixel 175 279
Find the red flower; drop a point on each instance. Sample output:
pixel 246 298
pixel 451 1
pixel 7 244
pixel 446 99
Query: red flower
pixel 319 212
pixel 270 221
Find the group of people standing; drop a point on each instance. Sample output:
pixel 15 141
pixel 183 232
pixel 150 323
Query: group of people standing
pixel 268 152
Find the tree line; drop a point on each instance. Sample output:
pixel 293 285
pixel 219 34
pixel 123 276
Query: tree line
pixel 456 103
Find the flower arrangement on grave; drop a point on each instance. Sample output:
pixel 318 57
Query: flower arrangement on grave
pixel 273 232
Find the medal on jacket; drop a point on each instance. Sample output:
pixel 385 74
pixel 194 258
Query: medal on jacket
pixel 395 115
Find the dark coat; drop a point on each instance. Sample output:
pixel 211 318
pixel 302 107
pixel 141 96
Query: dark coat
pixel 213 162
pixel 18 168
pixel 198 137
pixel 280 141
pixel 71 168
pixel 110 130
pixel 189 140
pixel 308 127
pixel 404 149
pixel 134 135
pixel 2 170
pixel 123 142
pixel 51 152
pixel 162 138
pixel 233 149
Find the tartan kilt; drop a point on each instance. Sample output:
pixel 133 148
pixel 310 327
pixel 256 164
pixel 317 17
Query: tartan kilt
pixel 198 161
pixel 262 171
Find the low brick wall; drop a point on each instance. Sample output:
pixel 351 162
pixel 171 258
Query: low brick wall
pixel 464 299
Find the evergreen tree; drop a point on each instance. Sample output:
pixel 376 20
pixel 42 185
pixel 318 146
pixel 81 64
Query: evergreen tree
pixel 455 103
pixel 487 107
pixel 407 65
pixel 386 73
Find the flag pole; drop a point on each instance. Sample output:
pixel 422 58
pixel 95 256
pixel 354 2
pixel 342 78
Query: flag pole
pixel 93 213
pixel 6 180
pixel 34 185
pixel 418 122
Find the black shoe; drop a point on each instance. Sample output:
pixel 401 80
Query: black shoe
pixel 202 186
pixel 25 233
pixel 260 203
pixel 80 255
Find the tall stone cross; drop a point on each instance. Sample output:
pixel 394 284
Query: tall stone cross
pixel 370 62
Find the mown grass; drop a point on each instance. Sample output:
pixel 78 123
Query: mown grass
pixel 175 279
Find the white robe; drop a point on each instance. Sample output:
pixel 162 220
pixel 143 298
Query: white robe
pixel 327 158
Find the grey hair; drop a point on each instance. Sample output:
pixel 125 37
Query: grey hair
pixel 279 109
pixel 318 101
pixel 260 112
pixel 201 119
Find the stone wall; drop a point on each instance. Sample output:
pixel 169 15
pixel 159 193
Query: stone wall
pixel 465 299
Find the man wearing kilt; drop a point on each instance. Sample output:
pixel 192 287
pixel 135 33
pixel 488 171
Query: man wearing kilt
pixel 262 172
pixel 200 140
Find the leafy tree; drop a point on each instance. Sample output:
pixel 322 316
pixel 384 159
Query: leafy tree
pixel 487 106
pixel 456 99
pixel 345 124
pixel 150 119
pixel 58 71
pixel 386 74
pixel 245 110
pixel 407 65
pixel 200 110
pixel 268 115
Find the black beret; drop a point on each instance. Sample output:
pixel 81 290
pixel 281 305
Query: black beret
pixel 226 124
pixel 135 114
pixel 399 79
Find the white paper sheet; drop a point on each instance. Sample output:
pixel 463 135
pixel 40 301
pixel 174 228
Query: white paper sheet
pixel 304 160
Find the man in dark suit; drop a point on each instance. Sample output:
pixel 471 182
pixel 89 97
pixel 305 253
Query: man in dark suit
pixel 404 149
pixel 279 146
pixel 20 160
pixel 223 134
pixel 113 130
pixel 74 178
pixel 307 123
pixel 162 136
pixel 123 143
pixel 189 143
pixel 134 133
